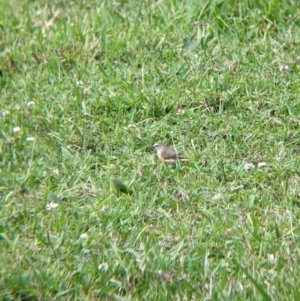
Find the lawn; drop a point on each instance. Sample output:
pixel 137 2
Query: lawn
pixel 86 87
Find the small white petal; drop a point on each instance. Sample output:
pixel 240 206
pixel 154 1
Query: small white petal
pixel 83 236
pixel 51 206
pixel 79 83
pixel 16 129
pixel 30 139
pixel 262 164
pixel 271 258
pixel 249 166
pixel 131 126
pixel 30 103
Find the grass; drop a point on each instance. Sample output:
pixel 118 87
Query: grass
pixel 87 87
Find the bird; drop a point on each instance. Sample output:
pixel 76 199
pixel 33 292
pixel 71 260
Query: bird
pixel 167 154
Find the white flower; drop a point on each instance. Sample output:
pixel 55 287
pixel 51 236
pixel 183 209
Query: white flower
pixel 249 166
pixel 30 103
pixel 51 206
pixel 271 258
pixel 86 91
pixel 83 236
pixel 131 125
pixel 16 129
pixel 180 112
pixel 262 164
pixel 103 209
pixel 4 113
pixel 103 267
pixel 30 139
pixel 79 83
pixel 284 68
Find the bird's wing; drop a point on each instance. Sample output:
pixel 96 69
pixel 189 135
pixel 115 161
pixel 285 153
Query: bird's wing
pixel 172 155
pixel 180 156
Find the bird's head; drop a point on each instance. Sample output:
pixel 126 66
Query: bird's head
pixel 158 145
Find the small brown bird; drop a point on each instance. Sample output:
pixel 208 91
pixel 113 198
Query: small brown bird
pixel 166 154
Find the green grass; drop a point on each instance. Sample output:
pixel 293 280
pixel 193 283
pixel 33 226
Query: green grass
pixel 108 79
